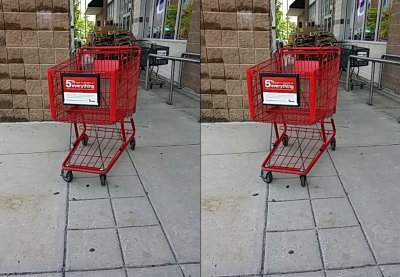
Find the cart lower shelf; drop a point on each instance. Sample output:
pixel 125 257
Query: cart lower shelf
pixel 97 148
pixel 297 149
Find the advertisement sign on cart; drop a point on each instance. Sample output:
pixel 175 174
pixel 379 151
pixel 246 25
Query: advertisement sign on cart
pixel 280 89
pixel 81 89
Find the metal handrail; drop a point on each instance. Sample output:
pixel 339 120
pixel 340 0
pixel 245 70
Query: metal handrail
pixel 173 59
pixel 373 60
pixel 384 56
pixel 185 55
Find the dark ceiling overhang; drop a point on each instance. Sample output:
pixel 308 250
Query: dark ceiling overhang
pixel 296 8
pixel 94 7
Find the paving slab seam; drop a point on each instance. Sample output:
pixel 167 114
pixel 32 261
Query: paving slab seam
pixel 316 232
pixel 110 228
pixel 370 146
pixel 35 152
pixel 234 153
pixel 28 273
pixel 106 198
pixel 65 231
pixel 170 145
pixel 384 264
pixel 292 272
pixel 355 214
pixel 95 269
pixel 264 239
pixel 165 264
pixel 156 214
pixel 353 267
pixel 241 275
pixel 184 275
pixel 303 199
pixel 117 231
pixel 311 229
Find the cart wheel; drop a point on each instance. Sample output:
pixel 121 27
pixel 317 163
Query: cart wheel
pixel 285 140
pixel 103 179
pixel 267 176
pixel 333 144
pixel 160 85
pixel 303 180
pixel 85 140
pixel 133 145
pixel 67 177
pixel 361 86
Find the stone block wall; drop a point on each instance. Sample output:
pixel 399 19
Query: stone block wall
pixel 34 35
pixel 391 76
pixel 234 35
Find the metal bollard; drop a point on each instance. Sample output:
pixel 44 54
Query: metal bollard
pixel 380 77
pixel 147 73
pixel 371 92
pixel 348 75
pixel 171 88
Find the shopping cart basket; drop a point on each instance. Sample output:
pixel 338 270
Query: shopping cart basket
pixel 154 62
pixel 296 91
pixel 96 90
pixel 355 64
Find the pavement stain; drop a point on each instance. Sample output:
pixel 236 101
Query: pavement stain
pixel 11 203
pixel 330 221
pixel 213 204
pixel 15 202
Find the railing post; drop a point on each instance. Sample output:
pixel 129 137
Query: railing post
pixel 381 74
pixel 146 86
pixel 348 74
pixel 171 89
pixel 371 92
pixel 180 72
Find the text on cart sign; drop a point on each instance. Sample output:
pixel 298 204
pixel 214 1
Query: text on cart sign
pixel 280 89
pixel 81 89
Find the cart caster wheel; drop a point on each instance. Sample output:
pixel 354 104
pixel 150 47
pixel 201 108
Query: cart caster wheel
pixel 85 140
pixel 133 145
pixel 303 180
pixel 285 140
pixel 67 177
pixel 352 87
pixel 151 86
pixel 362 86
pixel 103 179
pixel 160 85
pixel 333 144
pixel 267 176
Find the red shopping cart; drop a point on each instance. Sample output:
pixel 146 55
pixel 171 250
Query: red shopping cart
pixel 96 90
pixel 296 91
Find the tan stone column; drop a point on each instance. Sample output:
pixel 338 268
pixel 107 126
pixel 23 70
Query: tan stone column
pixel 234 35
pixel 34 35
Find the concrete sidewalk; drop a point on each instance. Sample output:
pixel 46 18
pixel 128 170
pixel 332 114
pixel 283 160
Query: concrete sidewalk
pixel 344 223
pixel 146 222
